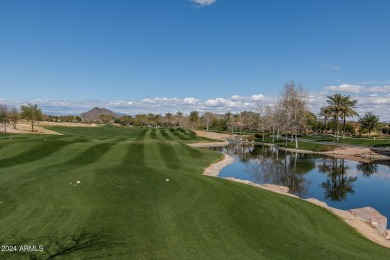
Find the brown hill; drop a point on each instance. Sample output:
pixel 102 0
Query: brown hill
pixel 96 112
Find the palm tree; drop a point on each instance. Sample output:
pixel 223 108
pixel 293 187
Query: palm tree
pixel 168 117
pixel 157 119
pixel 193 117
pixel 150 117
pixel 326 112
pixel 335 104
pixel 347 107
pixel 179 116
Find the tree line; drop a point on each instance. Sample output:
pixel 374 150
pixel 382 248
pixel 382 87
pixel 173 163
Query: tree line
pixel 29 112
pixel 340 107
pixel 289 116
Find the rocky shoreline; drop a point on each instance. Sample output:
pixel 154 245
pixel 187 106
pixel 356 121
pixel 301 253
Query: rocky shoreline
pixel 214 169
pixel 349 153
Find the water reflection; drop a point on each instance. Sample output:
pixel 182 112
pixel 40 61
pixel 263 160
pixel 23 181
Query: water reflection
pixel 337 185
pixel 342 184
pixel 367 168
pixel 271 165
pixel 268 164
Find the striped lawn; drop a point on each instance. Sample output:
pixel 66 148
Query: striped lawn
pixel 124 208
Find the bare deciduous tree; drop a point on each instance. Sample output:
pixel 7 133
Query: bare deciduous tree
pixel 293 100
pixel 4 116
pixel 14 116
pixel 208 117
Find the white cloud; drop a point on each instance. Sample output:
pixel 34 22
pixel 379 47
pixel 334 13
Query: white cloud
pixel 233 102
pixel 379 89
pixel 204 2
pixel 352 88
pixel 235 97
pixel 211 103
pixel 257 97
pixel 346 88
pixel 190 100
pixel 331 66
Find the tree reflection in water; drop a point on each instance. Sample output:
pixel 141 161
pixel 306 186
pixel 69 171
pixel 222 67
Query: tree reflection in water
pixel 367 168
pixel 270 165
pixel 341 183
pixel 337 185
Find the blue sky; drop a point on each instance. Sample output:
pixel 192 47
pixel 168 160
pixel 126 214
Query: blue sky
pixel 165 55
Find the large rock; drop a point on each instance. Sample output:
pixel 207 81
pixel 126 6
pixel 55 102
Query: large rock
pixel 373 217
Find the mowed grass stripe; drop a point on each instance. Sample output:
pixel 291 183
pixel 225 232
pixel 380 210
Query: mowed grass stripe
pixel 66 210
pixel 165 134
pixel 159 135
pixel 167 152
pixel 103 132
pixel 92 154
pixel 135 152
pixel 13 148
pixel 199 157
pixel 62 155
pixel 56 178
pixel 152 155
pixel 41 149
pixel 152 134
pixel 83 173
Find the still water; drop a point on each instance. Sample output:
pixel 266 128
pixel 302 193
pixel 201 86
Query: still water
pixel 341 183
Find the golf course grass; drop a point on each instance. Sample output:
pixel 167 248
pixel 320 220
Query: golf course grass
pixel 362 141
pixel 134 193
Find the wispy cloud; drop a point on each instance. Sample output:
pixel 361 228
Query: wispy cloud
pixel 331 66
pixel 379 89
pixel 204 2
pixel 357 89
pixel 346 88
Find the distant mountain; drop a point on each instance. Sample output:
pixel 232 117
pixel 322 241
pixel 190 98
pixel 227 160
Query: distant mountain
pixel 96 112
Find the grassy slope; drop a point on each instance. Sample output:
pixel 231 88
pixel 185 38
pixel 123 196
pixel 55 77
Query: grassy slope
pixel 124 208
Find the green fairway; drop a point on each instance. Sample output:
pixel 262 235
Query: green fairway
pixel 317 147
pixel 362 141
pixel 134 193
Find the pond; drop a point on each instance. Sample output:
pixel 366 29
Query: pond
pixel 341 183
